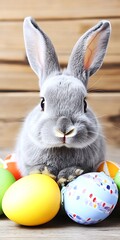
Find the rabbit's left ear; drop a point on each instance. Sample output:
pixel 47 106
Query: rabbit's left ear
pixel 88 53
pixel 40 50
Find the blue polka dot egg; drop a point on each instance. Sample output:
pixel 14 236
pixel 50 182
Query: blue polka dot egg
pixel 90 198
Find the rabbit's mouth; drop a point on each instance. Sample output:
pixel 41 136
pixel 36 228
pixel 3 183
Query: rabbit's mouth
pixel 63 136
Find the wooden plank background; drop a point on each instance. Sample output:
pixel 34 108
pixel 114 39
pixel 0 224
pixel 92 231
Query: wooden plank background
pixel 59 9
pixel 64 21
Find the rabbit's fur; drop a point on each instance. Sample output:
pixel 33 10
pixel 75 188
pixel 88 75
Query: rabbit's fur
pixel 62 136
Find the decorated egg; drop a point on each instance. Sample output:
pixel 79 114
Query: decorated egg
pixel 32 200
pixel 10 165
pixel 108 167
pixel 6 180
pixel 90 198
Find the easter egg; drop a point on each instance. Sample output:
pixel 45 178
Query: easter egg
pixel 117 180
pixel 108 167
pixel 32 200
pixel 10 165
pixel 90 198
pixel 2 163
pixel 6 180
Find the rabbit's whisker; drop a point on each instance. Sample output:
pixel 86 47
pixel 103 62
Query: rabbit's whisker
pixel 101 116
pixel 106 138
pixel 100 134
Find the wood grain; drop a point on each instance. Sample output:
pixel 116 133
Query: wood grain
pixel 9 132
pixel 63 34
pixel 15 106
pixel 61 228
pixel 59 9
pixel 19 77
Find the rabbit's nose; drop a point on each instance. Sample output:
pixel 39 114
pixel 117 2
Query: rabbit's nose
pixel 70 133
pixel 64 128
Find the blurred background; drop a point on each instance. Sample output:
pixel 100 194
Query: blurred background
pixel 64 21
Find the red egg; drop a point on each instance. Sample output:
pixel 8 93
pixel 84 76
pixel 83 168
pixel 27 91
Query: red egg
pixel 11 166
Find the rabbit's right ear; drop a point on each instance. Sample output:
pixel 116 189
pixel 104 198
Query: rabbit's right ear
pixel 39 49
pixel 88 53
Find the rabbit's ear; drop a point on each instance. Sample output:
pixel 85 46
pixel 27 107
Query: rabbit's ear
pixel 39 49
pixel 88 53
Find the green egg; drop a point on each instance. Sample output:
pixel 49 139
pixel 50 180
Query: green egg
pixel 117 180
pixel 6 180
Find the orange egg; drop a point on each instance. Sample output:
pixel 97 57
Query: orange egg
pixel 11 166
pixel 108 167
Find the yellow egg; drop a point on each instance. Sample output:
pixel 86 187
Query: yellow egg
pixel 32 200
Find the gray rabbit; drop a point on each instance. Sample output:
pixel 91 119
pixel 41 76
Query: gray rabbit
pixel 62 137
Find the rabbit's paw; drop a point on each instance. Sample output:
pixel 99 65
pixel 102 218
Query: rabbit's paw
pixel 47 172
pixel 43 170
pixel 35 171
pixel 68 174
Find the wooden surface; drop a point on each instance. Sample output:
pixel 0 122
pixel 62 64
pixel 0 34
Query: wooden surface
pixel 61 228
pixel 64 21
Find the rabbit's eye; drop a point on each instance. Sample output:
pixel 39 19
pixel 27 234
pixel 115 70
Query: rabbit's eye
pixel 42 103
pixel 85 105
